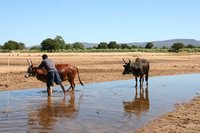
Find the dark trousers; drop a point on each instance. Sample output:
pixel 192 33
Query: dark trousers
pixel 53 76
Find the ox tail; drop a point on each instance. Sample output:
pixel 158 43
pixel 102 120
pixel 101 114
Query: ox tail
pixel 79 77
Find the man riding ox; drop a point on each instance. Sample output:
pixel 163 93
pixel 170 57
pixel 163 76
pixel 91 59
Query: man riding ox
pixel 139 68
pixel 49 73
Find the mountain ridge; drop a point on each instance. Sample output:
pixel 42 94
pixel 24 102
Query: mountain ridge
pixel 159 44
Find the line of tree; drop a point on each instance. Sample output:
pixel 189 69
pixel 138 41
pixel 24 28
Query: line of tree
pixel 58 43
pixel 13 45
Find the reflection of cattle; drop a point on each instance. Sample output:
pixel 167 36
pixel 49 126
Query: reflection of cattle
pixel 139 104
pixel 66 72
pixel 139 68
pixel 48 113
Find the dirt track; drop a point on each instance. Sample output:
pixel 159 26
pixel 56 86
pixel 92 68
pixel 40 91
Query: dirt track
pixel 99 67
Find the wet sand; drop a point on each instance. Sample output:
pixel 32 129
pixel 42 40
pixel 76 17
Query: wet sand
pixel 99 67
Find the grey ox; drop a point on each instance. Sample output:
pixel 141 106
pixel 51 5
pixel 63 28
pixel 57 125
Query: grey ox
pixel 139 68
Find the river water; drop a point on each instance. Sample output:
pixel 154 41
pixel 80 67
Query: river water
pixel 106 107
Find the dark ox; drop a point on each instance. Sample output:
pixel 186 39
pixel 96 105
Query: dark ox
pixel 139 68
pixel 66 72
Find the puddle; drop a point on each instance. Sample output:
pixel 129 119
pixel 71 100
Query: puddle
pixel 99 107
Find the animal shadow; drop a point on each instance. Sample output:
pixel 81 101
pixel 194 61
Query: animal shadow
pixel 46 115
pixel 140 103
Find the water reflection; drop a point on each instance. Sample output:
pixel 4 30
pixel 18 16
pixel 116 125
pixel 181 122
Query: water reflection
pixel 96 108
pixel 140 103
pixel 48 113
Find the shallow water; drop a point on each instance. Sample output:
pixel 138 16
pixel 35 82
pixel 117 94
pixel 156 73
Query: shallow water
pixel 99 107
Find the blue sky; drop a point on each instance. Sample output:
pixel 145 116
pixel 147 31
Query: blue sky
pixel 123 21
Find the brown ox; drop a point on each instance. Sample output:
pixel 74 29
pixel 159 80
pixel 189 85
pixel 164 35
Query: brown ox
pixel 66 72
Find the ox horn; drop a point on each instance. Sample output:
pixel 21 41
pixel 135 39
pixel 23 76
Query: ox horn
pixel 124 61
pixel 129 61
pixel 29 62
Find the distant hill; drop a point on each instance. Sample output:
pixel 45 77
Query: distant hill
pixel 89 45
pixel 158 44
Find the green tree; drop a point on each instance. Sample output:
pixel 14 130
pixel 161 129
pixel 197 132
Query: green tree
pixel 113 45
pixel 177 46
pixel 102 45
pixel 164 47
pixel 190 46
pixel 49 45
pixel 68 46
pixel 134 46
pixel 10 45
pixel 94 47
pixel 53 44
pixel 149 45
pixel 60 41
pixel 78 45
pixel 13 45
pixel 20 46
pixel 125 46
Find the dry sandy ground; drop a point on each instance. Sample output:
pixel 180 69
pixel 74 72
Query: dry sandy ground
pixel 99 67
pixel 185 119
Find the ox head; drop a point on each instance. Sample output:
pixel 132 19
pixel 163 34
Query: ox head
pixel 31 70
pixel 127 67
